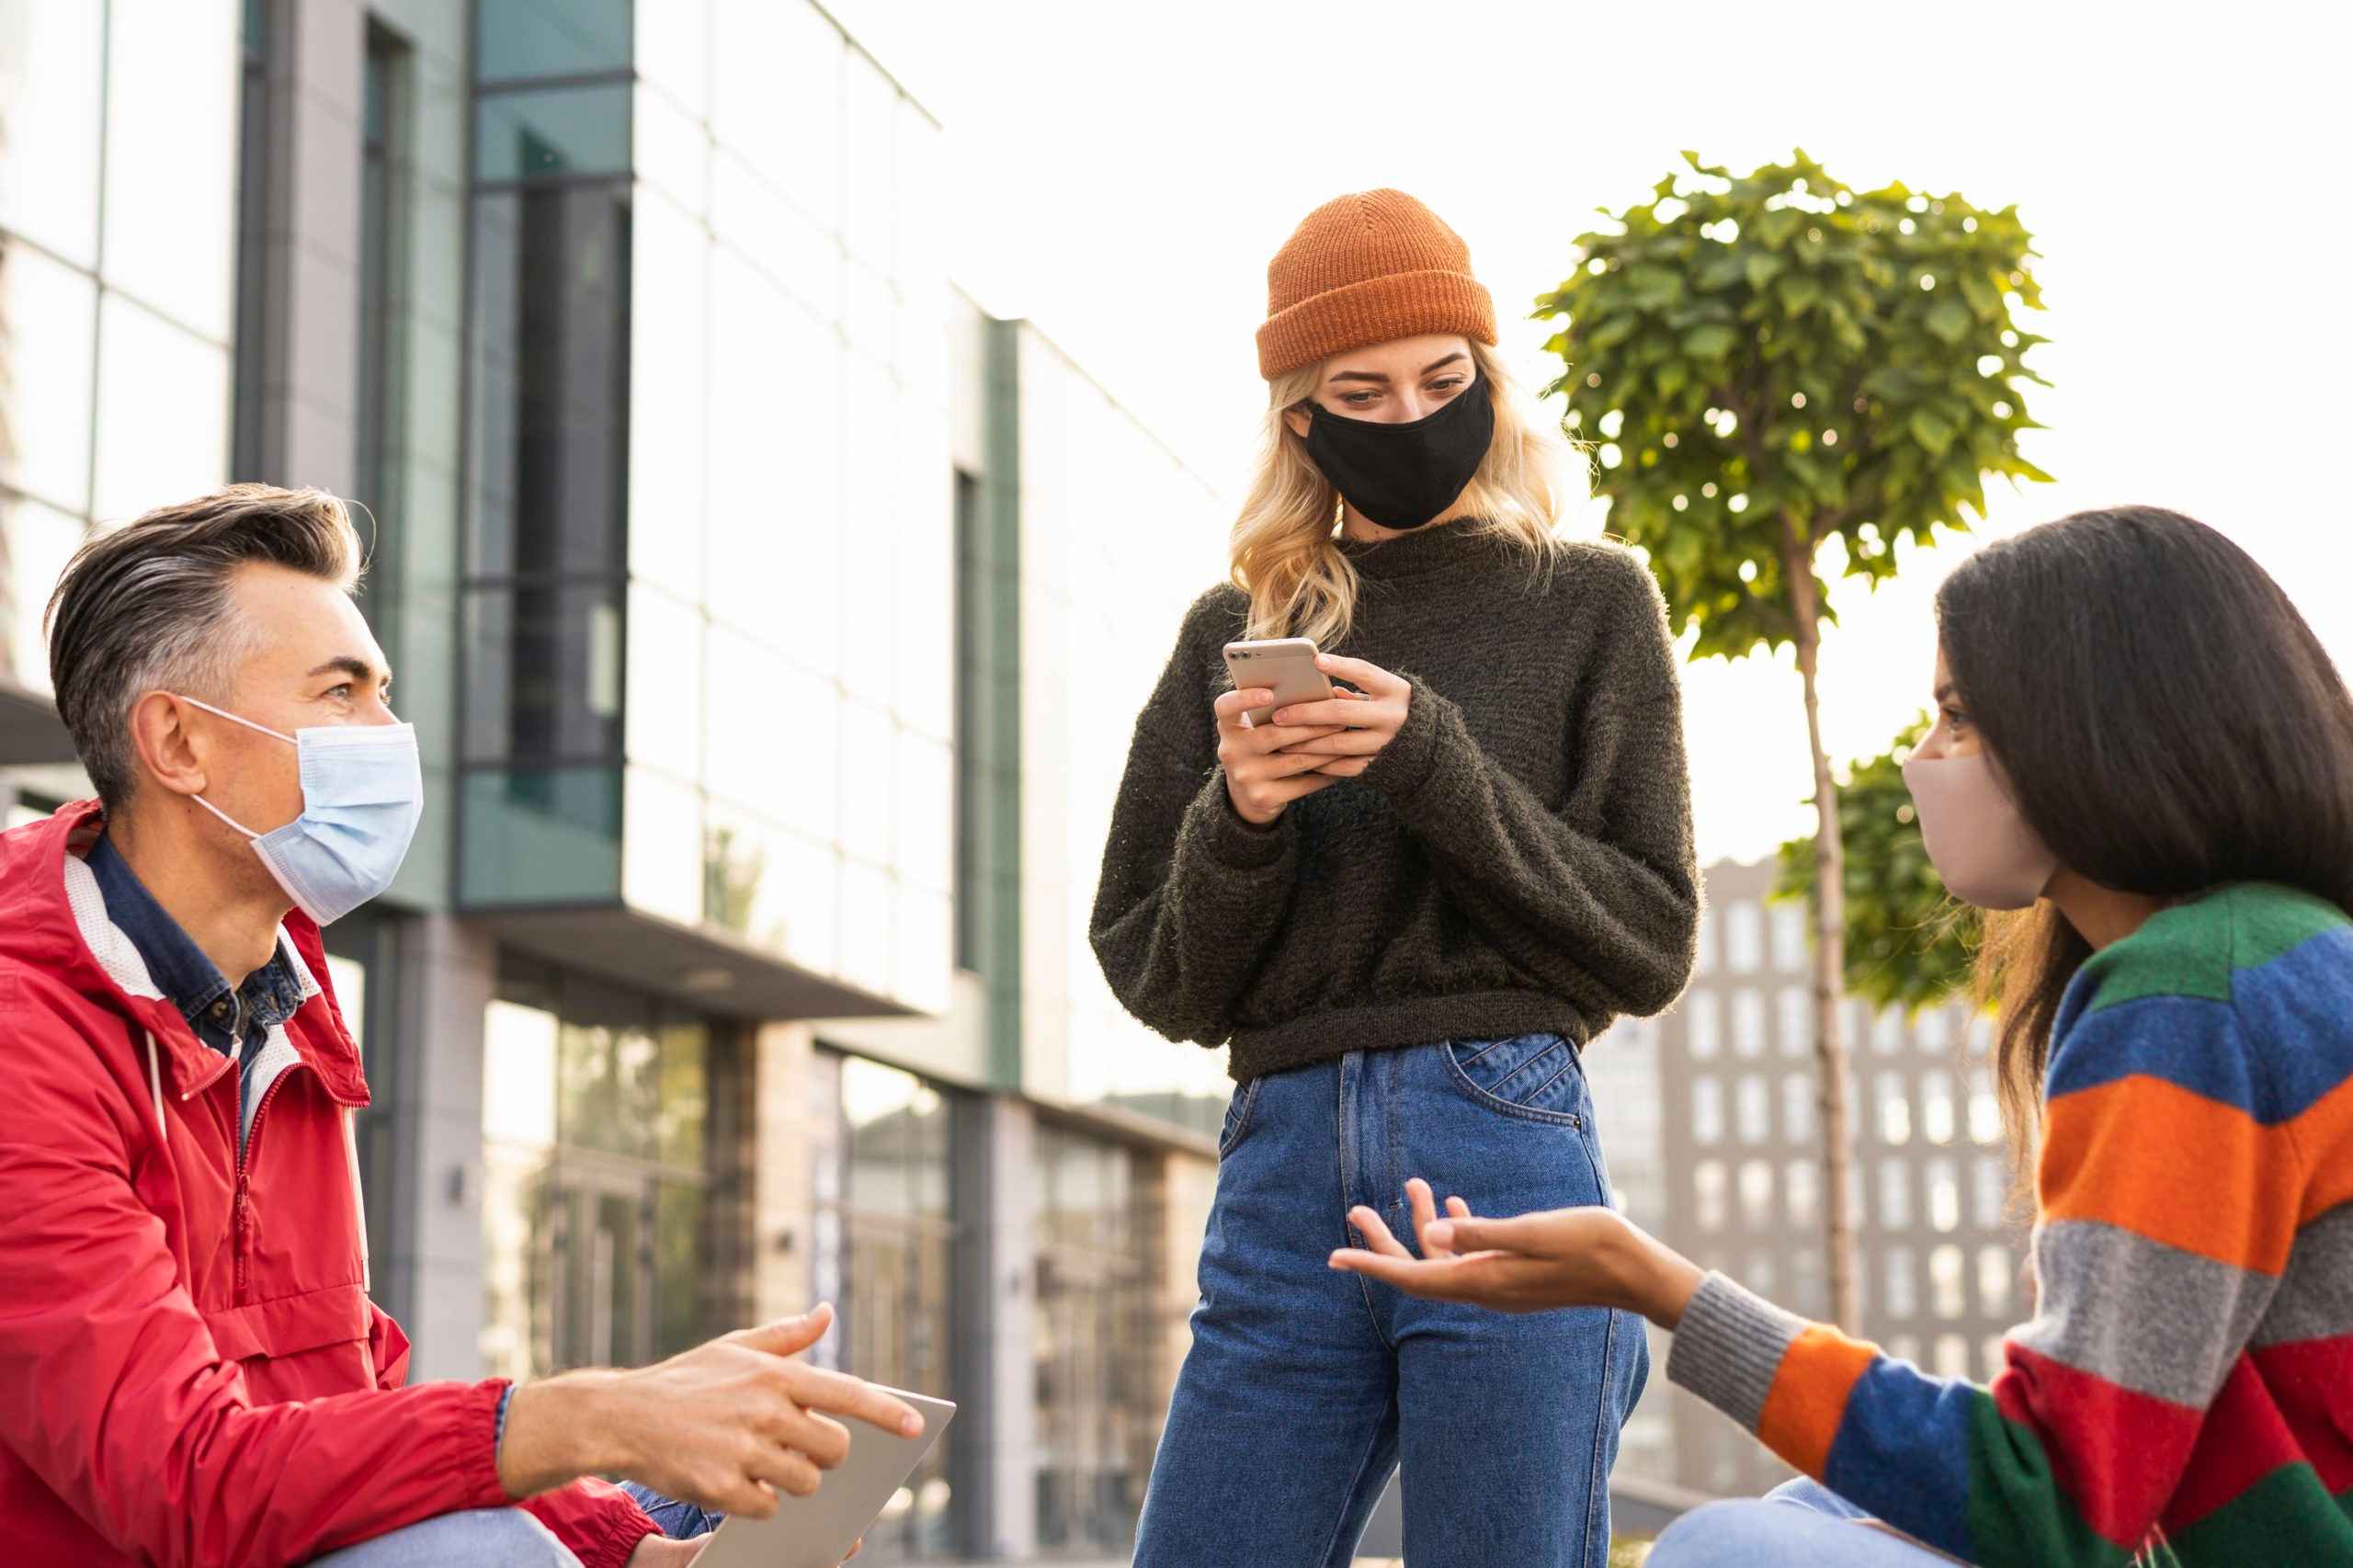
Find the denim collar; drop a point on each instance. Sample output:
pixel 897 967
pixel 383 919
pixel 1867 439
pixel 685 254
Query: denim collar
pixel 223 1016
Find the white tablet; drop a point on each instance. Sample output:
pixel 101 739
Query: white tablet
pixel 817 1532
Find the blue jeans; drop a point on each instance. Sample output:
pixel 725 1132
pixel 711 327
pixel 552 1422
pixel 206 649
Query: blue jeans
pixel 1801 1524
pixel 1304 1388
pixel 502 1537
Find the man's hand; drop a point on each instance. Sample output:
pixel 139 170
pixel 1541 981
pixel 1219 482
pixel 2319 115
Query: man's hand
pixel 1567 1257
pixel 727 1424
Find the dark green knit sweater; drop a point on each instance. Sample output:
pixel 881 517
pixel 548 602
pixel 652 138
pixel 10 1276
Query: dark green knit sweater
pixel 1519 857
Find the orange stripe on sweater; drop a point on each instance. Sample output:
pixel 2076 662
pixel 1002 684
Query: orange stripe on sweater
pixel 2324 1135
pixel 2174 1167
pixel 1809 1396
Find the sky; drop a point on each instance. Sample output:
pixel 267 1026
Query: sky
pixel 1119 173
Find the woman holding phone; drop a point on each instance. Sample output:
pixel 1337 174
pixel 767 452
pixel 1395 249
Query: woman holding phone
pixel 1405 909
pixel 2140 738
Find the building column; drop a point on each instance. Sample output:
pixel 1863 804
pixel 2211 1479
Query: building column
pixel 443 974
pixel 996 1349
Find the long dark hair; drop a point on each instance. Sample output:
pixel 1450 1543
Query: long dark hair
pixel 2168 723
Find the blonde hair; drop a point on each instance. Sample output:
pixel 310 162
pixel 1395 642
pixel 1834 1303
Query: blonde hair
pixel 1286 550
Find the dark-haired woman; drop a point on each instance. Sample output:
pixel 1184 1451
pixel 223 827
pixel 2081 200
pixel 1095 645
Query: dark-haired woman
pixel 2140 740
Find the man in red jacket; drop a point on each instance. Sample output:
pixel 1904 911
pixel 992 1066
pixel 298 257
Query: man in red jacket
pixel 190 1368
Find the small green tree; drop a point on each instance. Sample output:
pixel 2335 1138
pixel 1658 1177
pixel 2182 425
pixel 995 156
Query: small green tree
pixel 1775 368
pixel 1908 944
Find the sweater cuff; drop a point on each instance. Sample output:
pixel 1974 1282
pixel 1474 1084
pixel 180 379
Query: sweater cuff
pixel 1404 767
pixel 1213 824
pixel 1729 1346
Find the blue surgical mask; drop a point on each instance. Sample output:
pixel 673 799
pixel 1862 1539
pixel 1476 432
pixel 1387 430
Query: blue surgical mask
pixel 363 793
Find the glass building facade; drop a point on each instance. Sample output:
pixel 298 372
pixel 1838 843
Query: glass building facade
pixel 750 592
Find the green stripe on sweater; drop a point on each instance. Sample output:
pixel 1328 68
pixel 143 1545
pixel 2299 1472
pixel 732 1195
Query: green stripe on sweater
pixel 2196 948
pixel 2278 1519
pixel 2017 1513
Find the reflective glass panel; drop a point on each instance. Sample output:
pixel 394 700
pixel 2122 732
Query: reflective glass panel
pixel 49 313
pixel 551 37
pixel 544 673
pixel 670 424
pixel 548 456
pixel 50 93
pixel 171 169
pixel 163 429
pixel 542 836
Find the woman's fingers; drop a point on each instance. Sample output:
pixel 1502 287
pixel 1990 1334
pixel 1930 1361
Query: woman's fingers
pixel 1376 1234
pixel 1336 710
pixel 1424 1204
pixel 1357 672
pixel 1231 706
pixel 1342 743
pixel 1346 767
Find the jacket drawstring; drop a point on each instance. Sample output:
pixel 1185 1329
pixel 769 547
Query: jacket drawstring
pixel 359 1203
pixel 155 1082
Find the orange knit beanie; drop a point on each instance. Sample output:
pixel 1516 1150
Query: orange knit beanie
pixel 1369 268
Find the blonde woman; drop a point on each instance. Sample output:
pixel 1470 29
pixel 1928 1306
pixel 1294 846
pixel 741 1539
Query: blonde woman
pixel 1405 910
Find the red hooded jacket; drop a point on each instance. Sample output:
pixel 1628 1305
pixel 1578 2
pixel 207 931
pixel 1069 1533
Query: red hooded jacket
pixel 190 1369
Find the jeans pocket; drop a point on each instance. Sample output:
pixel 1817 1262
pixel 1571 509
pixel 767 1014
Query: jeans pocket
pixel 1237 1116
pixel 1535 1076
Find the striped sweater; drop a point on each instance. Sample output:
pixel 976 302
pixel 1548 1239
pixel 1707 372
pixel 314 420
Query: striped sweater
pixel 2188 1378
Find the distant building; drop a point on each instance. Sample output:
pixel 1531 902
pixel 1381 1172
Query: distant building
pixel 1711 1124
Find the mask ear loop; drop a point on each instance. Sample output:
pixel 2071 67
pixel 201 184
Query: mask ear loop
pixel 248 723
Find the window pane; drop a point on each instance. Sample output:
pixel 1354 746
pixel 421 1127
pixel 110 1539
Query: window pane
pixel 1894 1109
pixel 1708 1181
pixel 1748 1021
pixel 549 456
pixel 50 315
pixel 1947 1280
pixel 1944 1195
pixel 1744 937
pixel 669 424
pixel 666 683
pixel 1797 1021
pixel 1894 1195
pixel 869 106
pixel 39 541
pixel 1798 1097
pixel 1755 1110
pixel 1994 1274
pixel 171 171
pixel 683 1315
pixel 867 936
pixel 682 1094
pixel 1790 936
pixel 926 781
pixel 770 736
pixel 544 835
pixel 776 94
pixel 1707 1109
pixel 50 97
pixel 543 674
pixel 1756 1196
pixel 1703 1024
pixel 775 889
pixel 519 1074
pixel 1937 1109
pixel 662 842
pixel 162 431
pixel 774 235
pixel 551 37
pixel 868 790
pixel 673 50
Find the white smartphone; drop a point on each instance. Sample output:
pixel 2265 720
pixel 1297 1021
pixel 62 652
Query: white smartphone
pixel 817 1532
pixel 1286 665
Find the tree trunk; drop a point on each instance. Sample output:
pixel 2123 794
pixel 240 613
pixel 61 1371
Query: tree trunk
pixel 1829 945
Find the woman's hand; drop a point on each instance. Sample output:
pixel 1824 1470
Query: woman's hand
pixel 1567 1257
pixel 1355 724
pixel 1260 778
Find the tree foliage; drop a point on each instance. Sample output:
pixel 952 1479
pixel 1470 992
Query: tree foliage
pixel 1773 350
pixel 1908 944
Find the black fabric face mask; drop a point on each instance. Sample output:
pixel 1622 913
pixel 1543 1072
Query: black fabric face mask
pixel 1403 476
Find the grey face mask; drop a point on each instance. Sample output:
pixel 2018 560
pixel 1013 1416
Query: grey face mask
pixel 1982 848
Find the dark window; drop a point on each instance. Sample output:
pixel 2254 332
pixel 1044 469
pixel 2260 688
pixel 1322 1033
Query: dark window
pixel 971 685
pixel 245 457
pixel 383 247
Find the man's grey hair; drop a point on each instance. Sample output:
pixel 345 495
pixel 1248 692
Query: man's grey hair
pixel 148 606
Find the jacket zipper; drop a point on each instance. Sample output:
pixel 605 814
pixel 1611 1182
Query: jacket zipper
pixel 246 1147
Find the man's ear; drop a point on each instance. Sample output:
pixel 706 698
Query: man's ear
pixel 166 751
